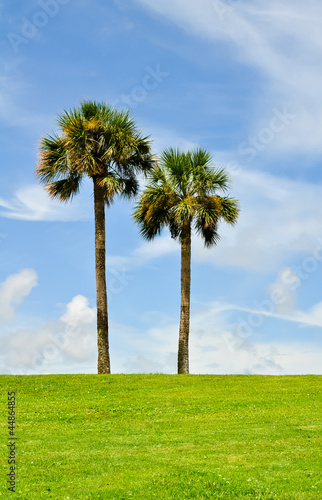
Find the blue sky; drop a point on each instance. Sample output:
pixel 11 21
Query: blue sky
pixel 240 78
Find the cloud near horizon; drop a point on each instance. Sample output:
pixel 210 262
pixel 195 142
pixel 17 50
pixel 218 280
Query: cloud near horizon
pixel 66 342
pixel 216 347
pixel 217 343
pixel 222 340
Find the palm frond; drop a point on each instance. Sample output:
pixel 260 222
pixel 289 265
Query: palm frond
pixel 200 158
pixel 184 211
pixel 95 140
pixel 115 185
pixel 153 211
pixel 208 214
pixel 112 186
pixel 53 159
pixel 64 189
pixel 130 187
pixel 93 110
pixel 230 210
pixel 177 167
pixel 208 232
pixel 182 190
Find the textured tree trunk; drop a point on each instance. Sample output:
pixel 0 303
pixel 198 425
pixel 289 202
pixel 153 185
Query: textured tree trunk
pixel 183 350
pixel 103 365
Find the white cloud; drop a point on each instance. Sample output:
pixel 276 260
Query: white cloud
pixel 33 203
pixel 149 349
pixel 222 342
pixel 283 291
pixel 26 349
pixel 56 346
pixel 68 345
pixel 141 364
pixel 215 348
pixel 223 355
pixel 78 312
pixel 282 40
pixel 14 289
pixel 79 327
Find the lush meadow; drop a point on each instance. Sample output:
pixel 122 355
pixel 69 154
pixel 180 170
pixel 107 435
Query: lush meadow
pixel 164 437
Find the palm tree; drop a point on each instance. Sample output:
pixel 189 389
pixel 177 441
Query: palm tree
pixel 181 194
pixel 104 144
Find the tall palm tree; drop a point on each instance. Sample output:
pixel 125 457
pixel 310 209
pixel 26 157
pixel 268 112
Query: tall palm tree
pixel 181 194
pixel 104 144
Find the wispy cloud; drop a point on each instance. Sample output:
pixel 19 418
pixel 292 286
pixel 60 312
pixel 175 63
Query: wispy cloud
pixel 33 203
pixel 282 40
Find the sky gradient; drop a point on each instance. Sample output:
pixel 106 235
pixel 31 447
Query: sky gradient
pixel 239 78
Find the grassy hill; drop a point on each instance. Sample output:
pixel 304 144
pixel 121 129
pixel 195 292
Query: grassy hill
pixel 164 437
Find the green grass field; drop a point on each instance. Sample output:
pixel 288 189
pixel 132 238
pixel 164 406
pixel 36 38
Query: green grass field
pixel 164 437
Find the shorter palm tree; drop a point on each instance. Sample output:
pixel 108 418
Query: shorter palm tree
pixel 181 194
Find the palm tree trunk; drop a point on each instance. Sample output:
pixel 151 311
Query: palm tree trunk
pixel 103 365
pixel 183 350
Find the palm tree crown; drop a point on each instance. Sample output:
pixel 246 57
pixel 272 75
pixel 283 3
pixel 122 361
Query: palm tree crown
pixel 182 191
pixel 104 144
pixel 181 194
pixel 96 141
